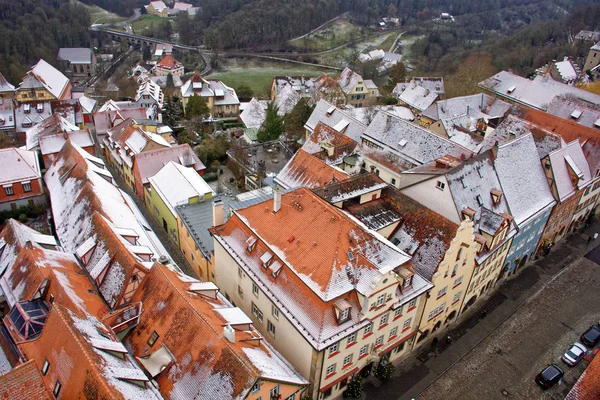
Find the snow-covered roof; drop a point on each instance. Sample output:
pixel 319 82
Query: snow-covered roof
pixel 158 5
pixel 331 116
pixel 418 96
pixel 566 162
pixel 306 170
pixel 148 163
pixel 75 55
pixel 522 178
pixel 150 88
pixel 254 114
pixel 365 114
pixel 221 93
pixel 566 70
pixel 463 130
pixel 536 93
pixel 18 165
pixel 481 103
pixel 409 141
pixel 52 144
pixel 87 104
pixel 51 79
pixel 5 86
pixel 305 86
pixel 286 99
pixel 348 80
pixel 178 185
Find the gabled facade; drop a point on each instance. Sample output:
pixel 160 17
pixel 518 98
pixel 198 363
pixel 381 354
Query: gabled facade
pixel 21 179
pixel 7 108
pixel 41 85
pixel 158 7
pixel 150 96
pixel 329 145
pixel 469 190
pixel 358 91
pixel 220 98
pixel 528 196
pixel 334 304
pixel 418 94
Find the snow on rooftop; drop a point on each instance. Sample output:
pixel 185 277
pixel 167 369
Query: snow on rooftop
pixel 18 165
pixel 522 177
pixel 330 115
pixel 566 70
pixel 254 114
pixel 52 79
pixel 273 367
pixel 233 316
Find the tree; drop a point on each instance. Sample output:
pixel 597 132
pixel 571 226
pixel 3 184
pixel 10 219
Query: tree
pixel 295 120
pixel 384 372
pixel 397 75
pixel 146 55
pixel 196 107
pixel 473 70
pixel 185 138
pixel 170 84
pixel 354 389
pixel 244 92
pixel 143 10
pixel 272 128
pixel 172 111
pixel 213 149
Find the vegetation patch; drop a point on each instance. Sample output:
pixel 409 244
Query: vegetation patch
pixel 331 35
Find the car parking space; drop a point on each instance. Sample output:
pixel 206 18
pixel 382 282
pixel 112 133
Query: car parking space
pixel 505 364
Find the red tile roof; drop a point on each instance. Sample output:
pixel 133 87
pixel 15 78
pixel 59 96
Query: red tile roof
pixel 24 382
pixel 569 131
pixel 325 135
pixel 206 364
pixel 587 386
pixel 305 170
pixel 168 62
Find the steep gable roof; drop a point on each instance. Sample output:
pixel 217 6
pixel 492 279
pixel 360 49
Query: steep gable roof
pixel 568 165
pixel 4 85
pixel 335 118
pixel 148 163
pixel 18 165
pixel 254 114
pixel 191 327
pixel 324 136
pixel 522 177
pixel 51 79
pixel 348 80
pixel 307 171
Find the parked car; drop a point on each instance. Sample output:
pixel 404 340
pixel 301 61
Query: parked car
pixel 550 376
pixel 591 337
pixel 574 354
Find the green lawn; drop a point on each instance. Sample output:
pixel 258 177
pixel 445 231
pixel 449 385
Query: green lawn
pixel 143 23
pixel 259 78
pixel 331 35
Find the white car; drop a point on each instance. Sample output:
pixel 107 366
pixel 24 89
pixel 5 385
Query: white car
pixel 573 356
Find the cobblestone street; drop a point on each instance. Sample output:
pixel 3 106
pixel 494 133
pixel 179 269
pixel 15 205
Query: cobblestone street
pixel 529 322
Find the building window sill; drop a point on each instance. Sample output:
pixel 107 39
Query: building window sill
pixel 410 309
pixel 383 326
pixel 330 375
pixel 406 329
pixel 351 344
pixel 347 365
pixel 363 356
pixel 334 354
pixel 398 317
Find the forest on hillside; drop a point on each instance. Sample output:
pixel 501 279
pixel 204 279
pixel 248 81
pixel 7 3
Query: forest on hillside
pixel 34 29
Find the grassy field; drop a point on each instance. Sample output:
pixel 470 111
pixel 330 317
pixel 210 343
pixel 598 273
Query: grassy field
pixel 346 55
pixel 260 75
pixel 331 35
pixel 143 23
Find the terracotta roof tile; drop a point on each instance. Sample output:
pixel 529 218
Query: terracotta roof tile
pixel 307 171
pixel 24 382
pixel 206 364
pixel 325 136
pixel 169 62
pixel 588 385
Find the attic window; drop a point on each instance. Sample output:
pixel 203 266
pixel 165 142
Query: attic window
pixel 468 213
pixel 275 268
pixel 479 172
pixel 250 244
pixel 40 107
pixel 440 185
pixel 576 114
pixel 265 259
pixel 407 282
pixel 27 108
pixel 342 309
pixel 496 195
pixel 479 200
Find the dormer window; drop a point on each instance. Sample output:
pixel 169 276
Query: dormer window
pixel 250 244
pixel 468 213
pixel 496 196
pixel 265 259
pixel 479 200
pixel 40 107
pixel 342 310
pixel 27 108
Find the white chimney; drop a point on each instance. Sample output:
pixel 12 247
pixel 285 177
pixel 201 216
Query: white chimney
pixel 218 212
pixel 229 333
pixel 276 199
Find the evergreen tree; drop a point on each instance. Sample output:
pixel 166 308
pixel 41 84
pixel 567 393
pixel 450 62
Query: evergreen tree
pixel 244 92
pixel 196 107
pixel 272 128
pixel 143 10
pixel 172 111
pixel 170 83
pixel 384 372
pixel 146 55
pixel 354 389
pixel 397 75
pixel 295 120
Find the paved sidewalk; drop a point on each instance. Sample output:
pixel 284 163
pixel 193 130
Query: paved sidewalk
pixel 422 368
